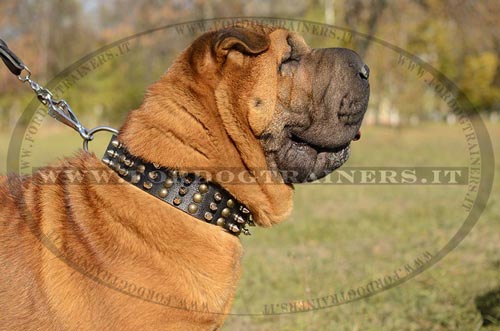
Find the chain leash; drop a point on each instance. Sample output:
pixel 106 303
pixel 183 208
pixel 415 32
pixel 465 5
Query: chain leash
pixel 59 109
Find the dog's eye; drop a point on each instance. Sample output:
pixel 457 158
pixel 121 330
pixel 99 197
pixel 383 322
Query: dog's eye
pixel 291 59
pixel 288 64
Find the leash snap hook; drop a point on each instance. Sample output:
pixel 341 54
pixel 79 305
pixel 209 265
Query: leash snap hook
pixel 59 109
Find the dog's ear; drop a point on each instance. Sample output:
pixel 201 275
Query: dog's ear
pixel 240 39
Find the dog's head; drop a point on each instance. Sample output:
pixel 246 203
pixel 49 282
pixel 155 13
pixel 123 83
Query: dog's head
pixel 305 105
pixel 252 98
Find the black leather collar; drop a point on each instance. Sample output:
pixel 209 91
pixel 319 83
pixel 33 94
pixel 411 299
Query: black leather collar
pixel 204 200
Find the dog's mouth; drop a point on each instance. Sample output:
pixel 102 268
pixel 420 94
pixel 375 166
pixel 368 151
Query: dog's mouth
pixel 313 152
pixel 300 161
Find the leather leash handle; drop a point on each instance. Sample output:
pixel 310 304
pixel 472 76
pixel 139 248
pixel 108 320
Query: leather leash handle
pixel 10 59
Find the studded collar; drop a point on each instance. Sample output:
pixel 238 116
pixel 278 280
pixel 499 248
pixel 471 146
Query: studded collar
pixel 204 200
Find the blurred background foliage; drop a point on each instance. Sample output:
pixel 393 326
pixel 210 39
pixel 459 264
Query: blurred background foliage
pixel 459 38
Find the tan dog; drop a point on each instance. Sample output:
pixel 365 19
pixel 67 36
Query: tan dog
pixel 112 257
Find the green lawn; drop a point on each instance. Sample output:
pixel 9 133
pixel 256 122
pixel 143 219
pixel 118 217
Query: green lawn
pixel 340 237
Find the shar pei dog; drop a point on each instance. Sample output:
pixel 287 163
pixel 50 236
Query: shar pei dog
pixel 155 246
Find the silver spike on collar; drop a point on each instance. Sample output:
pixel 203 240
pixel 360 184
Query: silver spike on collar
pixel 192 194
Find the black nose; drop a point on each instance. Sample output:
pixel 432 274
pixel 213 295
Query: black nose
pixel 364 72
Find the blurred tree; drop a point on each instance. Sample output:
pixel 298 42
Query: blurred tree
pixel 364 16
pixel 459 37
pixel 466 38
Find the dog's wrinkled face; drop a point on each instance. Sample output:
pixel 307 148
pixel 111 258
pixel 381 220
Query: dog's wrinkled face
pixel 304 105
pixel 322 98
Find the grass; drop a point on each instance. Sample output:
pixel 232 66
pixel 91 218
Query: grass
pixel 340 237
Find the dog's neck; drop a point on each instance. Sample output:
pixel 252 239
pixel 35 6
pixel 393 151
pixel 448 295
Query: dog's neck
pixel 206 201
pixel 181 126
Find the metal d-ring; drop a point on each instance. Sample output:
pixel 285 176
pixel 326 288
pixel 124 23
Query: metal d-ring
pixel 91 132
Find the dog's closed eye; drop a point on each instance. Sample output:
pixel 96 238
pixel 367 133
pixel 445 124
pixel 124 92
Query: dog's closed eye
pixel 290 60
pixel 288 66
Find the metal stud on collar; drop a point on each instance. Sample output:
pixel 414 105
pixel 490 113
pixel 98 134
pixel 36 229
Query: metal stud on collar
pixel 206 201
